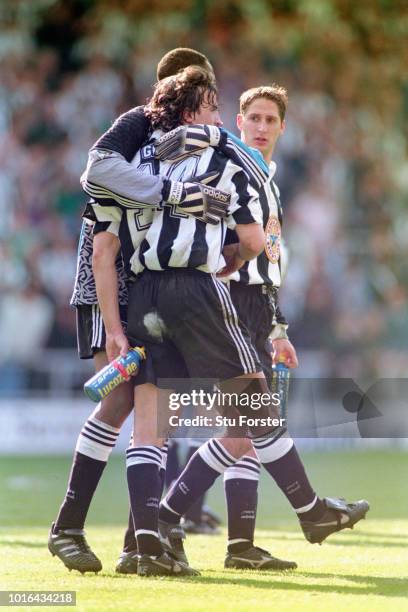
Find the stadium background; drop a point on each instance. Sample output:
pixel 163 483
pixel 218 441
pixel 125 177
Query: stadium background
pixel 69 67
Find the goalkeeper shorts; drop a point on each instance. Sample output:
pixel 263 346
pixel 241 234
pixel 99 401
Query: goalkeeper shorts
pixel 91 335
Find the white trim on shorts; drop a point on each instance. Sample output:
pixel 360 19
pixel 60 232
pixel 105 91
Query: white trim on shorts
pixel 97 327
pixel 231 324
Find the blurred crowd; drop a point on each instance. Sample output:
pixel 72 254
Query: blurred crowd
pixel 345 290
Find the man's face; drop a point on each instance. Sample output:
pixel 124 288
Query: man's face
pixel 261 126
pixel 208 113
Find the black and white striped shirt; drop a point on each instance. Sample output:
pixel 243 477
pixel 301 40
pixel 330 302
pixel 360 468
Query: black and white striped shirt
pixel 176 240
pixel 266 268
pixel 110 178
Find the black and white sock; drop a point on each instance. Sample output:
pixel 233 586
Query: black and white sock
pixel 280 458
pixel 194 513
pixel 94 446
pixel 204 467
pixel 129 542
pixel 163 466
pixel 241 492
pixel 173 467
pixel 143 464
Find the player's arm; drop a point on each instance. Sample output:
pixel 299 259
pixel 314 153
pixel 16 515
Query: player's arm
pixel 106 246
pixel 251 240
pixel 245 214
pixel 109 176
pixel 188 139
pixel 110 179
pixel 282 346
pixel 245 218
pixel 250 244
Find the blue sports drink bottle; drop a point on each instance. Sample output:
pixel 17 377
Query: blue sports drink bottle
pixel 280 385
pixel 114 374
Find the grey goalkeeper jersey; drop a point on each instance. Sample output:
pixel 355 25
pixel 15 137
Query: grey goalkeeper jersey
pixel 110 177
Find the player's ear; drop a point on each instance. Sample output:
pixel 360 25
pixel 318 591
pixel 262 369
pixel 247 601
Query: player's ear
pixel 240 120
pixel 283 127
pixel 188 117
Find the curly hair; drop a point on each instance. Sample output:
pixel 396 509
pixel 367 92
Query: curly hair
pixel 184 92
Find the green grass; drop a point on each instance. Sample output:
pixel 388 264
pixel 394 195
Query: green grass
pixel 363 569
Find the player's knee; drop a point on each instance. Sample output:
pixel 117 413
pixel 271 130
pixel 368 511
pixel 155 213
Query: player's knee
pixel 236 446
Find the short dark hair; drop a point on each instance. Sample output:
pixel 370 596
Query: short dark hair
pixel 178 59
pixel 185 91
pixel 274 92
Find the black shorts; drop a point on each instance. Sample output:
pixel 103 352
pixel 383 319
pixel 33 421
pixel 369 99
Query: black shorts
pixel 256 311
pixel 91 336
pixel 189 326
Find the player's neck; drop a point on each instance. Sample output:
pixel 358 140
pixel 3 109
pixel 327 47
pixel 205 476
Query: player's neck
pixel 267 157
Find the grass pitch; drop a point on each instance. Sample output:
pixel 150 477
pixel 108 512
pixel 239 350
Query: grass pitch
pixel 363 569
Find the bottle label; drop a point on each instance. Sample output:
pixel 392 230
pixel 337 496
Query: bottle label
pixel 112 375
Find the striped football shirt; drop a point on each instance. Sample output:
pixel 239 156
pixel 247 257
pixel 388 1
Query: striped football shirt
pixel 266 268
pixel 177 240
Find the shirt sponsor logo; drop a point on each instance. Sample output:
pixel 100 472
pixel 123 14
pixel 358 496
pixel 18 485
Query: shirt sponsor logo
pixel 273 239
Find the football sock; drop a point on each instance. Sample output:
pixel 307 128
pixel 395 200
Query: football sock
pixel 204 467
pixel 95 443
pixel 173 468
pixel 281 460
pixel 165 453
pixel 194 513
pixel 241 492
pixel 143 464
pixel 163 467
pixel 129 542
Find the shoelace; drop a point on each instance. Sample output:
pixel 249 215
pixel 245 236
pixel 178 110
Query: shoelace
pixel 81 543
pixel 262 550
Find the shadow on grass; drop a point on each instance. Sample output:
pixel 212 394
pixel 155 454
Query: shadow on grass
pixel 370 585
pixel 23 543
pixel 361 541
pixel 356 539
pixel 386 536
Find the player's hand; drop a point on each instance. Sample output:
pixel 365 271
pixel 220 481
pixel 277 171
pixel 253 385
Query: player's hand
pixel 232 260
pixel 185 140
pixel 197 198
pixel 284 348
pixel 117 345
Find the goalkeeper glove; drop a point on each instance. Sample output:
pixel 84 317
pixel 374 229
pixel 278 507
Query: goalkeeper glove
pixel 187 139
pixel 198 199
